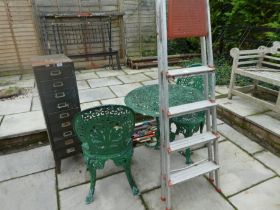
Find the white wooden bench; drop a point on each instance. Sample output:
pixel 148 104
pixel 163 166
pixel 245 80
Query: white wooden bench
pixel 262 64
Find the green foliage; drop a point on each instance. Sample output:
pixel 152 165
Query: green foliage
pixel 234 21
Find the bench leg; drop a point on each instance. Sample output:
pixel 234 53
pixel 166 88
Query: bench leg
pixel 231 84
pixel 278 102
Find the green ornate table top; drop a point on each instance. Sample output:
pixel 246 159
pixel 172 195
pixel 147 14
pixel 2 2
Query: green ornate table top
pixel 145 100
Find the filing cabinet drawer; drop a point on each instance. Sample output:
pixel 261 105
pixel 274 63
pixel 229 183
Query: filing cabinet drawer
pixel 61 104
pixel 56 85
pixel 62 130
pixel 53 71
pixel 66 142
pixel 68 151
pixel 63 116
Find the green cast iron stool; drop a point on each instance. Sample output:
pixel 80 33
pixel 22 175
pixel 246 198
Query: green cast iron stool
pixel 105 133
pixel 190 123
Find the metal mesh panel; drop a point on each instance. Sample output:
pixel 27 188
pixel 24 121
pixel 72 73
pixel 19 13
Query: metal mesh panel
pixel 62 35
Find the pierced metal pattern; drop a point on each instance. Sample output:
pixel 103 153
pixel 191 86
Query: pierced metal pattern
pixel 105 130
pixel 145 100
pixel 105 133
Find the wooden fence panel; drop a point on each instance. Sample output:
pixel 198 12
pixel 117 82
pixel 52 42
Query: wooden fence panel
pixel 134 35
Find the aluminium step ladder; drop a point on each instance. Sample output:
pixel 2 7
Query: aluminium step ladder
pixel 210 137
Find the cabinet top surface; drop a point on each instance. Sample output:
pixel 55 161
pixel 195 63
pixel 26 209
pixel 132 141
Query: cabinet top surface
pixel 43 60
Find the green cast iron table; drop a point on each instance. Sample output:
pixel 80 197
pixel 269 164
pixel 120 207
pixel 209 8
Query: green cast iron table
pixel 145 100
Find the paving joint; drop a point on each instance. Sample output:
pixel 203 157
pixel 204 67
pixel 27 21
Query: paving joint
pixel 143 202
pixel 252 155
pixel 86 182
pixel 57 192
pixel 254 185
pixel 18 177
pixel 221 193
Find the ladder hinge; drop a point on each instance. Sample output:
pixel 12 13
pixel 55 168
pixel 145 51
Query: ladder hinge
pixel 212 100
pixel 216 134
pixel 168 150
pixel 170 183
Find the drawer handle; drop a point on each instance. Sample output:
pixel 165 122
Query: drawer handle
pixel 66 124
pixel 70 150
pixel 68 133
pixel 62 105
pixel 64 115
pixel 55 72
pixel 69 141
pixel 59 95
pixel 58 84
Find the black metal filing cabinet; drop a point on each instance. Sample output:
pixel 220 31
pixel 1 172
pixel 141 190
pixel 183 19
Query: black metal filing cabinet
pixel 57 87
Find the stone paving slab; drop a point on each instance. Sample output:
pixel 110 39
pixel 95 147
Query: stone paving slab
pixel 241 106
pixel 265 196
pixel 123 90
pixel 195 194
pixel 151 82
pixel 21 83
pixel 103 82
pixel 89 95
pixel 25 162
pixel 135 71
pixel 10 78
pixel 90 105
pixel 152 74
pixel 33 192
pixel 91 70
pixel 109 73
pixel 267 122
pixel 270 160
pixel 86 75
pixel 27 76
pixel 239 171
pixel 239 139
pixel 146 167
pixel 73 172
pixel 36 104
pixel 11 106
pixel 132 78
pixel 111 193
pixel 119 101
pixel 222 89
pixel 82 84
pixel 22 124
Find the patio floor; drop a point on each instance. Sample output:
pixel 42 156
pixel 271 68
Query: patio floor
pixel 249 180
pixel 250 175
pixel 96 87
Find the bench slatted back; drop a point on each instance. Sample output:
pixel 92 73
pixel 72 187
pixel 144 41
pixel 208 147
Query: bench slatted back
pixel 263 57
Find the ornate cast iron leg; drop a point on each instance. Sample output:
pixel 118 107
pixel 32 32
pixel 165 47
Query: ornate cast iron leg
pixel 201 127
pixel 127 168
pixel 188 156
pixel 89 197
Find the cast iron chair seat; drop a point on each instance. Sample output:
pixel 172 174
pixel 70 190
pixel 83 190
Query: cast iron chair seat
pixel 190 123
pixel 105 133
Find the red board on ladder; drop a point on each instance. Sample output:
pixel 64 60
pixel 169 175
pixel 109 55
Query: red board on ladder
pixel 187 18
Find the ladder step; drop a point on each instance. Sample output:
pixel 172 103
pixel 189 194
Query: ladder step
pixel 192 141
pixel 184 72
pixel 190 108
pixel 191 172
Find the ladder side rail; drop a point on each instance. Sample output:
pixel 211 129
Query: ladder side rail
pixel 214 110
pixel 206 91
pixel 161 114
pixel 164 102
